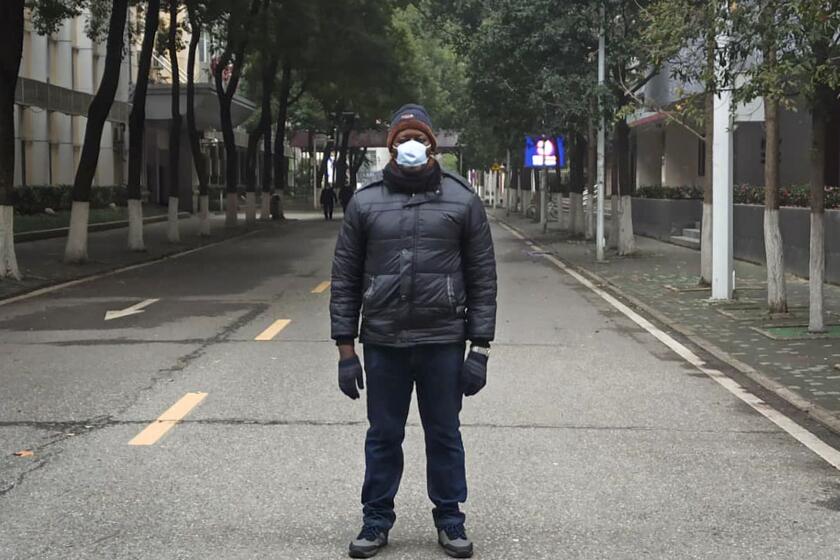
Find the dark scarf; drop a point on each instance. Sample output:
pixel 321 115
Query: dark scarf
pixel 398 180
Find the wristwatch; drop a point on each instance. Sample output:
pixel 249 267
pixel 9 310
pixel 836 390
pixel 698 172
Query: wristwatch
pixel 480 350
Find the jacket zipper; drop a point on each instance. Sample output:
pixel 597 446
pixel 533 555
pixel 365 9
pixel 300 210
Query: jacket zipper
pixel 450 291
pixel 367 294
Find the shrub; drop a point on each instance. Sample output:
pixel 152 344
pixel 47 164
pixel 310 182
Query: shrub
pixel 670 193
pixel 34 199
pixel 795 195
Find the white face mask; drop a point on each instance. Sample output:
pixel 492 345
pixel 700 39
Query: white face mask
pixel 412 154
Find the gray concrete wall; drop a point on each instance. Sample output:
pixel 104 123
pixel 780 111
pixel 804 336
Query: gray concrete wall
pixel 662 218
pixel 681 152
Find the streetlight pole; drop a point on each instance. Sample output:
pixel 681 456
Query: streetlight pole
pixel 602 64
pixel 723 270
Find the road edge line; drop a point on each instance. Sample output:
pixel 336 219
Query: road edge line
pixel 804 436
pixel 84 279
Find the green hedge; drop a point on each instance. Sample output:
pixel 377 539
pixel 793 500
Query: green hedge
pixel 33 200
pixel 796 195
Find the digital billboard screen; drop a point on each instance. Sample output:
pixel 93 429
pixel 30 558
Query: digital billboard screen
pixel 543 151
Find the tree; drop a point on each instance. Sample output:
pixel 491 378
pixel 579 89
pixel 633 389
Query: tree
pixel 797 47
pixel 681 35
pixel 11 27
pixel 46 17
pixel 76 248
pixel 173 235
pixel 137 126
pixel 235 26
pixel 195 14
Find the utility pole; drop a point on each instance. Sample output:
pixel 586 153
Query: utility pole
pixel 723 271
pixel 602 65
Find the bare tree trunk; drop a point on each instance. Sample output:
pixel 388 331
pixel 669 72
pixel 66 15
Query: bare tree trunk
pixel 199 161
pixel 269 71
pixel 591 174
pixel 626 238
pixel 773 246
pixel 577 183
pixel 76 249
pixel 11 27
pixel 237 43
pixel 341 161
pixel 357 161
pixel 137 129
pixel 251 173
pixel 706 227
pixel 281 175
pixel 173 234
pixel 325 160
pixel 816 316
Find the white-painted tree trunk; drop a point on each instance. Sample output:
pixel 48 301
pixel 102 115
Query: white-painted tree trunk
pixel 590 215
pixel 8 260
pixel 172 232
pixel 816 320
pixel 135 225
pixel 231 210
pixel 774 252
pixel 75 252
pixel 615 221
pixel 626 237
pixel 250 208
pixel 204 215
pixel 265 207
pixel 576 213
pixel 706 246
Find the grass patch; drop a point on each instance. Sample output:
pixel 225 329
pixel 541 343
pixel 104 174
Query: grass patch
pixel 798 332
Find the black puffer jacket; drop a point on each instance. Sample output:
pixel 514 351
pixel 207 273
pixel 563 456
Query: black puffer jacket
pixel 420 267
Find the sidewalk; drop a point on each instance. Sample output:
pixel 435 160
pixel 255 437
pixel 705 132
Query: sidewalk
pixel 41 262
pixel 661 279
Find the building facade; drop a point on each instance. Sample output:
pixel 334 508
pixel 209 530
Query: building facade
pixel 667 153
pixel 59 75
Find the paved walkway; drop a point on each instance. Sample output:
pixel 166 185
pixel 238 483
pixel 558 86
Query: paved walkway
pixel 663 279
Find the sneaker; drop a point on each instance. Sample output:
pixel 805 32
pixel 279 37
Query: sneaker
pixel 454 541
pixel 369 542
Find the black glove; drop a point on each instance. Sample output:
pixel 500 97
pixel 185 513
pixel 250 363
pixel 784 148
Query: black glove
pixel 350 374
pixel 474 374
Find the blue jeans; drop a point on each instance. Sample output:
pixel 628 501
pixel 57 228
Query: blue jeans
pixel 391 374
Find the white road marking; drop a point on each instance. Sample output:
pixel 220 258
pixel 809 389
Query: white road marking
pixel 802 435
pixel 135 309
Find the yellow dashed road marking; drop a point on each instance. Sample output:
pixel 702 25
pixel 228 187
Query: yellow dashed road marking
pixel 274 329
pixel 321 288
pixel 168 419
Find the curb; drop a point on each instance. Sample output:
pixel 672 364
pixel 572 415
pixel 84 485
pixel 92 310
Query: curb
pixel 37 235
pixel 819 413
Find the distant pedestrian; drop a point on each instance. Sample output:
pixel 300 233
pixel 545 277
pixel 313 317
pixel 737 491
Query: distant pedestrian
pixel 415 258
pixel 328 200
pixel 344 196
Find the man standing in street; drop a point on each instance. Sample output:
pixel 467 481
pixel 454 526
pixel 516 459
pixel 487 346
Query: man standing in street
pixel 415 258
pixel 328 200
